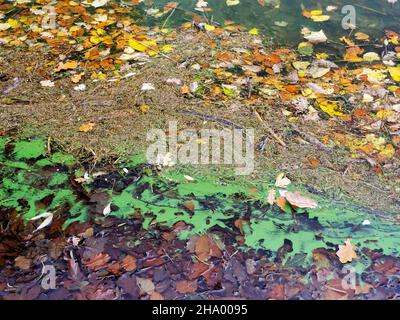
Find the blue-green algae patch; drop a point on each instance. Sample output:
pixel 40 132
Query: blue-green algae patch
pixel 33 182
pixel 30 189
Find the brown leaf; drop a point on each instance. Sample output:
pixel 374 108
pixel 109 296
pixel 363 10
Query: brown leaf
pixel 202 248
pixel 23 263
pixel 186 287
pixel 189 205
pixel 197 270
pixel 115 269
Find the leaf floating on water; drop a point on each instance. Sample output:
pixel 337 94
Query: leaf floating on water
pixel 371 56
pixel 346 252
pixel 99 3
pixel 299 201
pixel 232 2
pixel 314 36
pixel 282 24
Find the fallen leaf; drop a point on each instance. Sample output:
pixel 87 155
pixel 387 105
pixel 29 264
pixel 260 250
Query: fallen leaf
pixel 87 127
pixel 186 286
pixel 346 252
pixel 299 201
pixel 156 296
pixel 23 263
pixel 282 181
pixel 97 262
pixel 47 221
pixel 314 36
pixel 47 83
pixel 145 285
pixel 129 263
pixel 271 197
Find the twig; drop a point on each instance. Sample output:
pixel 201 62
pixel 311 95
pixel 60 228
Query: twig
pixel 310 138
pixel 169 16
pixel 49 145
pixel 269 129
pixel 158 51
pixel 212 118
pixel 370 9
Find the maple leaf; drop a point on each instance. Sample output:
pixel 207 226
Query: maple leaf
pixel 346 252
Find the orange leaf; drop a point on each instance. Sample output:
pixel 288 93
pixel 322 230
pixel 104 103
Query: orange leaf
pixel 351 54
pixel 66 65
pixel 129 263
pixel 281 202
pixel 86 127
pixel 98 261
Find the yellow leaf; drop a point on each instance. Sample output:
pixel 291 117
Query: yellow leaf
pixel 95 39
pixel 66 66
pixel 395 73
pixel 13 23
pixel 253 31
pixel 316 12
pixel 232 2
pixel 301 65
pixel 209 27
pixel 371 56
pixel 144 108
pixel 134 44
pixel 330 107
pixel 322 56
pixel 167 48
pixel 361 36
pixel 388 152
pixel 321 18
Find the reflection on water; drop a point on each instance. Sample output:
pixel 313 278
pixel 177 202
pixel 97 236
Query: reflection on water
pixel 372 16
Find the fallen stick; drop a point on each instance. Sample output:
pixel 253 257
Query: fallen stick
pixel 310 138
pixel 269 129
pixel 212 118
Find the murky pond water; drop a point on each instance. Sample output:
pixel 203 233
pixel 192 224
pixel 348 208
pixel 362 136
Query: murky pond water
pixel 282 20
